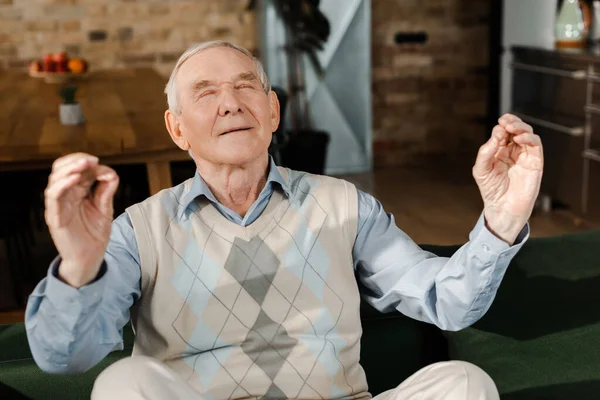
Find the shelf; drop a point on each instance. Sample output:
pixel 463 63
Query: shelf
pixel 573 74
pixel 592 154
pixel 550 120
pixel 588 54
pixel 593 108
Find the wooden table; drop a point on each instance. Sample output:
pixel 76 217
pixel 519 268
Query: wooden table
pixel 124 113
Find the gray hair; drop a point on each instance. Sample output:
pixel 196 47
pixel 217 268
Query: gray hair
pixel 171 87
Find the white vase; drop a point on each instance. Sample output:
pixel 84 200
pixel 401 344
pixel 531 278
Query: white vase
pixel 572 25
pixel 71 114
pixel 595 29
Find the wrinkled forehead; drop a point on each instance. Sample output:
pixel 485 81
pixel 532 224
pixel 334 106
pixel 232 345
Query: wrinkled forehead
pixel 220 64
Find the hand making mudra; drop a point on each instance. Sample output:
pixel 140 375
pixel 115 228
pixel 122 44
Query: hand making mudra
pixel 508 171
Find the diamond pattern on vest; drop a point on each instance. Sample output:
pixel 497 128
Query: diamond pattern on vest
pixel 246 319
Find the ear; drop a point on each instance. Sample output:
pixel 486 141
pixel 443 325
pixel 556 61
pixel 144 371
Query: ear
pixel 174 128
pixel 275 110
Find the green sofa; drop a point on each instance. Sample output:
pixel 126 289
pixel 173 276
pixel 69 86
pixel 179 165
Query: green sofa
pixel 539 340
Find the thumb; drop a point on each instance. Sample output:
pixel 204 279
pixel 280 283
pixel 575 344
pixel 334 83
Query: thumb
pixel 105 191
pixel 486 155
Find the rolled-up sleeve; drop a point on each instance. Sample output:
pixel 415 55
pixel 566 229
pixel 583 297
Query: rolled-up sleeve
pixel 452 293
pixel 71 330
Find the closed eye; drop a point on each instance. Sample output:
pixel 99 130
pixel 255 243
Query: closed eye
pixel 245 86
pixel 206 93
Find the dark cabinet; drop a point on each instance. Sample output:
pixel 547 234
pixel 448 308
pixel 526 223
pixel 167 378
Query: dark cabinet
pixel 558 93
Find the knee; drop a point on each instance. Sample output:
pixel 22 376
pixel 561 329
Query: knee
pixel 125 368
pixel 123 376
pixel 474 380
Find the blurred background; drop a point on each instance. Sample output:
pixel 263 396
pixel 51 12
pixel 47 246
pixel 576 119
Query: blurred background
pixel 394 95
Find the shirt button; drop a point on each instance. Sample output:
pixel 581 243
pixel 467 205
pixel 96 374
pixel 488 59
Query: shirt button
pixel 485 247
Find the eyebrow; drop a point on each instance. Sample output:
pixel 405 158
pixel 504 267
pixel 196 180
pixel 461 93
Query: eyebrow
pixel 247 76
pixel 244 76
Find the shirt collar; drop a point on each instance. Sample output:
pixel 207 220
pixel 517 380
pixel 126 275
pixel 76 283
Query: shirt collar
pixel 200 188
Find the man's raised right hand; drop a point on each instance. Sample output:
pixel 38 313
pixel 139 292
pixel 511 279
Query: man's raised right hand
pixel 79 214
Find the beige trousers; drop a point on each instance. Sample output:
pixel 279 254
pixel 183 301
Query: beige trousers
pixel 139 377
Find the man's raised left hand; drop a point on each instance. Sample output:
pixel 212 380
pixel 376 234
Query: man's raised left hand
pixel 508 171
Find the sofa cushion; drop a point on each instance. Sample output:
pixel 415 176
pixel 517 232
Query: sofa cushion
pixel 26 378
pixel 393 347
pixel 541 336
pixel 19 373
pixel 14 343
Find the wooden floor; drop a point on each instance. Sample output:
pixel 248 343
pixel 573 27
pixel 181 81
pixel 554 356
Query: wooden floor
pixel 432 205
pixel 441 205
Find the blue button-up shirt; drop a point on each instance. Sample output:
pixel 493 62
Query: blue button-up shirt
pixel 71 330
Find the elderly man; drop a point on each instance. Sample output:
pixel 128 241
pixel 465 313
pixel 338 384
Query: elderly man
pixel 241 281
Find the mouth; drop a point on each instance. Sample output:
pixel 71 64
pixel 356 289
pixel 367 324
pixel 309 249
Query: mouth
pixel 236 129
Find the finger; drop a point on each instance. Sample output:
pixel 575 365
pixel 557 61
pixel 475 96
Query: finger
pixel 518 127
pixel 54 194
pixel 529 139
pixel 105 192
pixel 62 161
pixel 532 145
pixel 500 134
pixel 58 189
pixel 77 165
pixel 103 171
pixel 485 157
pixel 507 119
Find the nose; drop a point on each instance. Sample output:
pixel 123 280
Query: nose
pixel 229 104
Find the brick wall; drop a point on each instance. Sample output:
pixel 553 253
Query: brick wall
pixel 429 99
pixel 118 33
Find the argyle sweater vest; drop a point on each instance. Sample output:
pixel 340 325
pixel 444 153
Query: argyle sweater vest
pixel 270 310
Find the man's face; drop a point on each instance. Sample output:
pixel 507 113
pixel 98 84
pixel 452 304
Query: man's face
pixel 226 116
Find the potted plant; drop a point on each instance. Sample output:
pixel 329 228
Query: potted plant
pixel 303 146
pixel 70 112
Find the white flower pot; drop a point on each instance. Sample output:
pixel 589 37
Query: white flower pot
pixel 71 114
